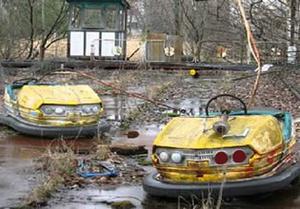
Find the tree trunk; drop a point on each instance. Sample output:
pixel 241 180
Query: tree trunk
pixel 293 22
pixel 177 17
pixel 42 52
pixel 31 13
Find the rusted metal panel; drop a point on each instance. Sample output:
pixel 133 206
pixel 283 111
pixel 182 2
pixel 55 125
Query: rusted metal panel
pixel 163 48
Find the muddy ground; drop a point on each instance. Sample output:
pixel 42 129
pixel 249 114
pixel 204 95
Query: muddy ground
pixel 161 91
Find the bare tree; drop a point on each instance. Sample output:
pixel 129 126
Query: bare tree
pixel 54 28
pixel 27 30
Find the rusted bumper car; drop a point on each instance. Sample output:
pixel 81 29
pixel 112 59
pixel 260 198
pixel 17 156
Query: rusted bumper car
pixel 237 153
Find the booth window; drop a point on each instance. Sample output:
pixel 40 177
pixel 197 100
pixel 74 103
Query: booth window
pixel 75 17
pixel 110 18
pixel 93 18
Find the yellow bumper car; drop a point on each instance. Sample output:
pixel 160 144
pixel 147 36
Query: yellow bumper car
pixel 239 153
pixel 48 110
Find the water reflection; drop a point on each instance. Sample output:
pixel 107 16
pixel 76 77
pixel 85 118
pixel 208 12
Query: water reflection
pixel 17 151
pixel 93 197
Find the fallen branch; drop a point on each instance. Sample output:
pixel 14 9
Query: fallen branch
pixel 128 149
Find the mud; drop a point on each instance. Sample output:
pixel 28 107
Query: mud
pixel 17 152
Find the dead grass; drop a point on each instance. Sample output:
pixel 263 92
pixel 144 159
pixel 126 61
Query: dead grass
pixel 122 205
pixel 102 152
pixel 209 201
pixel 200 202
pixel 42 193
pixel 58 165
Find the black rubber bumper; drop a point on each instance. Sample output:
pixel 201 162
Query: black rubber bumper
pixel 230 189
pixel 52 132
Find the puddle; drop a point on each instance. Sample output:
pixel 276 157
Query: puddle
pixel 17 153
pixel 116 107
pixel 15 176
pixel 95 198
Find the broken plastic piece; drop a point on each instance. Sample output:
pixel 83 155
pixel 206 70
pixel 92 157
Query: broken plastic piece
pixel 90 169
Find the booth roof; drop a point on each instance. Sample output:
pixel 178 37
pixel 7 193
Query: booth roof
pixel 123 2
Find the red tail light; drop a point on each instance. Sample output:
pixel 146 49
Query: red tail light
pixel 239 156
pixel 221 157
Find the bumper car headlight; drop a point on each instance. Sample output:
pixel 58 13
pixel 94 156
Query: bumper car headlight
pixel 90 109
pixel 164 156
pixel 48 110
pixel 59 110
pixel 176 157
pixel 86 109
pixel 96 109
pixel 53 110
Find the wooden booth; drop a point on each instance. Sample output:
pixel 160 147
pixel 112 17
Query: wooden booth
pixel 97 28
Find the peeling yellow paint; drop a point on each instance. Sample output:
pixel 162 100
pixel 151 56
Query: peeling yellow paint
pixel 264 138
pixel 30 98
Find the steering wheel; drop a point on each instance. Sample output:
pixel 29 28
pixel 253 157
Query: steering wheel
pixel 25 81
pixel 226 111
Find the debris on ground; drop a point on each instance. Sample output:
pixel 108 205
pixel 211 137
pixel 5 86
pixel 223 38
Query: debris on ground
pixel 192 95
pixel 63 168
pixel 126 204
pixel 272 92
pixel 176 89
pixel 128 149
pixel 143 159
pixel 95 168
pixel 132 134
